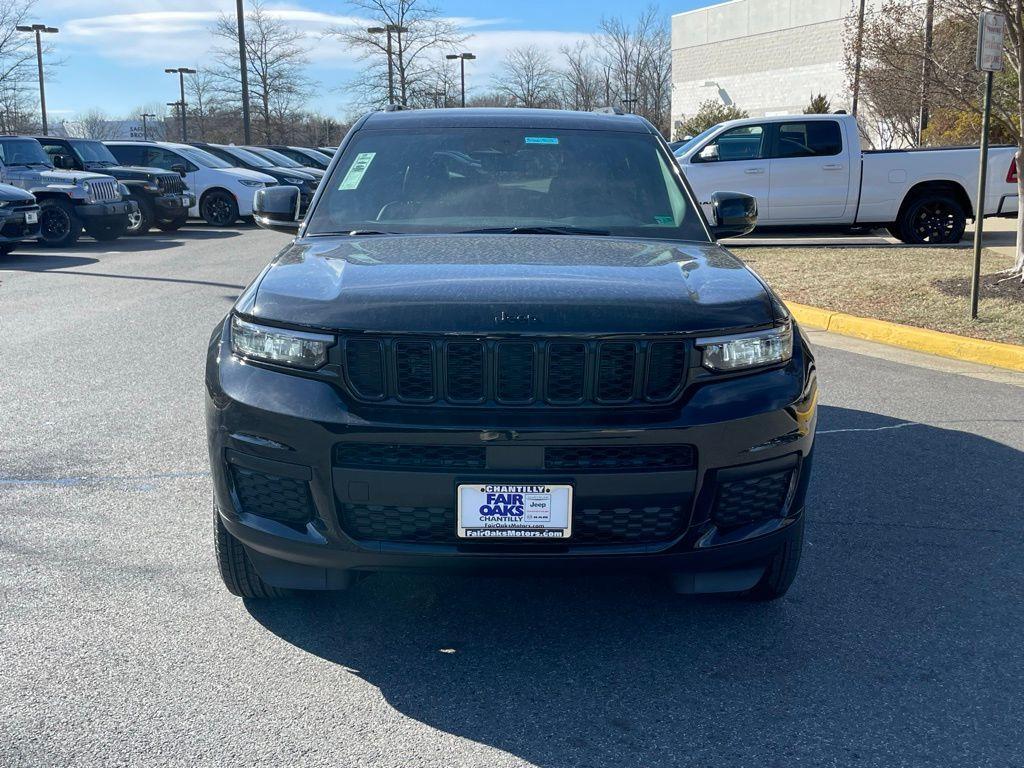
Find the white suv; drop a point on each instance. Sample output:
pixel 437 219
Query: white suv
pixel 223 193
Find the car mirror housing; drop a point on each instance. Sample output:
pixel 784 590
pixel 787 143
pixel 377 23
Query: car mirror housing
pixel 709 153
pixel 277 208
pixel 734 214
pixel 179 168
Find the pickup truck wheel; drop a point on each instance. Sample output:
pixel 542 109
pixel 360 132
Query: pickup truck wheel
pixel 218 209
pixel 932 219
pixel 140 222
pixel 236 570
pixel 781 570
pixel 172 225
pixel 58 225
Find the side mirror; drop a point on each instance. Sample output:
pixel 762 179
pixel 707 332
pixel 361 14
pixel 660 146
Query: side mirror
pixel 277 208
pixel 179 169
pixel 734 214
pixel 64 162
pixel 709 153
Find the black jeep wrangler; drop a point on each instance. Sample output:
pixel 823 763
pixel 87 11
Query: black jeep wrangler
pixel 163 198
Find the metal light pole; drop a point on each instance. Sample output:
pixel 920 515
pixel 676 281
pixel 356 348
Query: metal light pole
pixel 145 129
pixel 391 66
pixel 181 72
pixel 857 58
pixel 463 58
pixel 243 68
pixel 929 20
pixel 39 29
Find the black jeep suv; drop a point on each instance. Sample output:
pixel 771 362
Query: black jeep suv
pixel 506 340
pixel 163 199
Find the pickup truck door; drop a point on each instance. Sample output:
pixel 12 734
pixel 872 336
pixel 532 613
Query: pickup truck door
pixel 810 172
pixel 733 161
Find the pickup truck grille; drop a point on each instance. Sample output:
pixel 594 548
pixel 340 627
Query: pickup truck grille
pixel 534 372
pixel 104 191
pixel 171 183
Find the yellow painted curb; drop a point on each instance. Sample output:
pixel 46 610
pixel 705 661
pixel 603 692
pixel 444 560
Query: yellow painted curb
pixel 992 353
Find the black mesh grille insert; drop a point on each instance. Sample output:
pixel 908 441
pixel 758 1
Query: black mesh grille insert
pixel 567 369
pixel 365 363
pixel 414 364
pixel 383 456
pixel 280 498
pixel 516 372
pixel 464 361
pixel 411 524
pixel 750 499
pixel 665 368
pixel 616 368
pixel 620 457
pixel 628 525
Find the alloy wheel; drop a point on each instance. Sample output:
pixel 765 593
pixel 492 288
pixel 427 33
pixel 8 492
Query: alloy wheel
pixel 217 209
pixel 55 224
pixel 935 223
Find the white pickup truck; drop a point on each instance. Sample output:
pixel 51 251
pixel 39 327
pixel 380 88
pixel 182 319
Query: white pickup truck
pixel 810 170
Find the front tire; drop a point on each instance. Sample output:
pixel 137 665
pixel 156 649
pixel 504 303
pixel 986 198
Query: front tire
pixel 781 571
pixel 140 222
pixel 218 209
pixel 236 570
pixel 59 227
pixel 932 219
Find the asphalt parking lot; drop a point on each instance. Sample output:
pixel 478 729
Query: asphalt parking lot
pixel 899 645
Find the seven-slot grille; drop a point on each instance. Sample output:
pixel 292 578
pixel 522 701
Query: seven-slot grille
pixel 104 190
pixel 171 183
pixel 476 371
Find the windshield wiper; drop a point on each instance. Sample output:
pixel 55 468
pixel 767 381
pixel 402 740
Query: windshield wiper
pixel 538 230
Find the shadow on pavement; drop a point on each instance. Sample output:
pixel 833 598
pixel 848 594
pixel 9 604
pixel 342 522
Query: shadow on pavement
pixel 898 645
pixel 32 261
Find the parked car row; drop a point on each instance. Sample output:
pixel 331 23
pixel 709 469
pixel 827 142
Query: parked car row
pixel 52 189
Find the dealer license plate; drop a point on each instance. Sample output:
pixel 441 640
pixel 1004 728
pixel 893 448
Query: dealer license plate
pixel 186 201
pixel 515 511
pixel 31 217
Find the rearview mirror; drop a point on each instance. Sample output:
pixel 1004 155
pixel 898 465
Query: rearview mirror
pixel 734 214
pixel 179 169
pixel 277 208
pixel 709 153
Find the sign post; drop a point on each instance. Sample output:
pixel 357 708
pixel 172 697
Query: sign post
pixel 989 60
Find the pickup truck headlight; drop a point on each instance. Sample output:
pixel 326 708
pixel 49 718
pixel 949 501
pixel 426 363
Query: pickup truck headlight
pixel 747 350
pixel 250 183
pixel 279 345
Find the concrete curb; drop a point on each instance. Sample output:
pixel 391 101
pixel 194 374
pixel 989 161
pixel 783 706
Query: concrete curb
pixel 994 353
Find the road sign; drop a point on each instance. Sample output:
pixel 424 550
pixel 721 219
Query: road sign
pixel 990 41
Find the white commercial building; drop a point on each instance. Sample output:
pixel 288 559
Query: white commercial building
pixel 768 57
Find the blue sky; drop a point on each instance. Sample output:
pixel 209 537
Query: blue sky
pixel 115 50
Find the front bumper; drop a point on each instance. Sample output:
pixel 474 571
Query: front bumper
pixel 173 205
pixel 14 226
pixel 93 212
pixel 295 442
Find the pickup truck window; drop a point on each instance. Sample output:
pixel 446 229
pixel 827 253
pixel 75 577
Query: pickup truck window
pixel 813 138
pixel 745 142
pixel 491 178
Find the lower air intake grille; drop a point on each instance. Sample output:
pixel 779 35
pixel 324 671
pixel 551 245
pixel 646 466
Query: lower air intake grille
pixel 381 456
pixel 280 498
pixel 628 525
pixel 620 457
pixel 408 524
pixel 751 499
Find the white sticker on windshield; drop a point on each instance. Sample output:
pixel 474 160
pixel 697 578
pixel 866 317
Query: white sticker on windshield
pixel 357 170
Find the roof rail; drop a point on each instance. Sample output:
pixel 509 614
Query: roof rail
pixel 609 110
pixel 395 107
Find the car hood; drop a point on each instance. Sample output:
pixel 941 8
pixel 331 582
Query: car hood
pixel 70 177
pixel 295 173
pixel 11 194
pixel 508 283
pixel 134 173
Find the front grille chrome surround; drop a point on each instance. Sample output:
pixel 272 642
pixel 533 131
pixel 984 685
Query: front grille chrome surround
pixel 478 371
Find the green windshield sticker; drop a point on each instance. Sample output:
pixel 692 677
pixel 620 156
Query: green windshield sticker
pixel 664 220
pixel 357 170
pixel 540 140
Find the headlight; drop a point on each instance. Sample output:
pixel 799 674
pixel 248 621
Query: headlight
pixel 294 182
pixel 250 183
pixel 747 350
pixel 4 203
pixel 122 189
pixel 278 345
pixel 87 188
pixel 151 186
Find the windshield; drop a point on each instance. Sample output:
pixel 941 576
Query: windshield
pixel 275 157
pixel 23 152
pixel 202 157
pixel 690 143
pixel 93 152
pixel 501 179
pixel 248 157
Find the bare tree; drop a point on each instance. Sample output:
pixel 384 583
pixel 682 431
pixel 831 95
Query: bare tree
pixel 205 103
pixel 96 124
pixel 893 46
pixel 414 52
pixel 277 61
pixel 528 78
pixel 17 68
pixel 584 84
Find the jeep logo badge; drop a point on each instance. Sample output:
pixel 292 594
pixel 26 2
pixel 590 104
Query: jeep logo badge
pixel 508 317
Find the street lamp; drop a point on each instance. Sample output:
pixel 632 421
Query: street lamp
pixel 145 130
pixel 463 58
pixel 398 30
pixel 244 71
pixel 181 72
pixel 39 29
